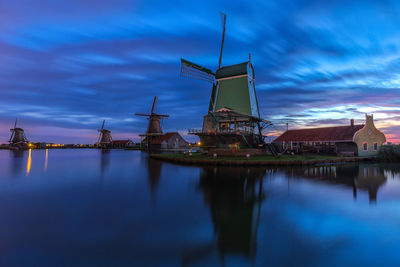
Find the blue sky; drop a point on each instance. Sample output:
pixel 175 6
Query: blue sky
pixel 67 65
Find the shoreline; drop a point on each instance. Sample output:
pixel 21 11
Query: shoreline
pixel 254 161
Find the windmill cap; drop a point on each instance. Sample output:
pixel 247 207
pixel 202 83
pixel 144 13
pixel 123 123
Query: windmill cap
pixel 233 70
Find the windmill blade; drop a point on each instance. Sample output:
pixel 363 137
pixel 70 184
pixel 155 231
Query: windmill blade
pixel 101 131
pixel 194 71
pixel 196 66
pixel 12 135
pixel 142 114
pixel 160 115
pixel 13 131
pixel 154 105
pixel 223 18
pixel 100 134
pixel 98 139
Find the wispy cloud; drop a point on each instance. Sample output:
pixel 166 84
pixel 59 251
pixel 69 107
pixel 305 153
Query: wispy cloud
pixel 69 64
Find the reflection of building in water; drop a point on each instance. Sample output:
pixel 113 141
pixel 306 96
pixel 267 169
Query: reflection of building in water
pixel 104 160
pixel 154 167
pixel 17 161
pixel 366 177
pixel 234 196
pixel 371 177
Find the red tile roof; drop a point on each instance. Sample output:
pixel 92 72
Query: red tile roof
pixel 338 133
pixel 119 142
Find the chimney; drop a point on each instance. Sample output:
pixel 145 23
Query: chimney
pixel 352 122
pixel 369 119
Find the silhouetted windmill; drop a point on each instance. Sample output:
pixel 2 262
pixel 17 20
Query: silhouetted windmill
pixel 104 136
pixel 154 126
pixel 17 138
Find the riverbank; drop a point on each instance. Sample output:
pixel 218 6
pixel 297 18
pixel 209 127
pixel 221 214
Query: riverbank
pixel 267 160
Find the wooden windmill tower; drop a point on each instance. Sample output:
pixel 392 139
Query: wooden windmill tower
pixel 105 138
pixel 233 114
pixel 154 126
pixel 18 138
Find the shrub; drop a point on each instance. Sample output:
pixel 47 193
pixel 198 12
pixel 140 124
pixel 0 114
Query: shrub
pixel 389 153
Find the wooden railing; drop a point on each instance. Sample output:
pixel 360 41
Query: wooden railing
pixel 227 131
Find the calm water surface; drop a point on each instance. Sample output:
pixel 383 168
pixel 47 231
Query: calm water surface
pixel 118 208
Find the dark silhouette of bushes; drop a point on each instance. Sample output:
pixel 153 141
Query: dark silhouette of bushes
pixel 389 153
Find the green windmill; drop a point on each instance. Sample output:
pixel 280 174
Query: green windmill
pixel 233 118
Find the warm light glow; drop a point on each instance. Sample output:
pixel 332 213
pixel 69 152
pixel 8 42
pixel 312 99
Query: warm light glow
pixel 199 143
pixel 45 160
pixel 28 164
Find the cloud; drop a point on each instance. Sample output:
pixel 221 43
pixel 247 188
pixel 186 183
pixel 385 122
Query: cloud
pixel 317 63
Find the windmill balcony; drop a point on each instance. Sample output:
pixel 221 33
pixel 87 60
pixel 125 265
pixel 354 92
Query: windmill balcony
pixel 194 131
pixel 221 131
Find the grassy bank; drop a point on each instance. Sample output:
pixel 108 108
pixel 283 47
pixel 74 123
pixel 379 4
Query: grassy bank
pixel 199 158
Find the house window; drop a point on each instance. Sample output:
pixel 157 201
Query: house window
pixel 375 146
pixel 365 146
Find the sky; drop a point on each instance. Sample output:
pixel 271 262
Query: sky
pixel 68 64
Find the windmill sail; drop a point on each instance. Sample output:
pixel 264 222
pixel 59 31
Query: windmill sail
pixel 12 135
pixel 154 104
pixel 13 130
pixel 223 18
pixel 194 71
pixel 101 132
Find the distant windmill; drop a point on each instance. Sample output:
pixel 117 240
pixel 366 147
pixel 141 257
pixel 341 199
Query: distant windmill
pixel 154 126
pixel 17 137
pixel 104 136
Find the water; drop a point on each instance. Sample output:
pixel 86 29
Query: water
pixel 118 208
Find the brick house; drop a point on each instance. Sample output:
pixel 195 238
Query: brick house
pixel 361 140
pixel 171 141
